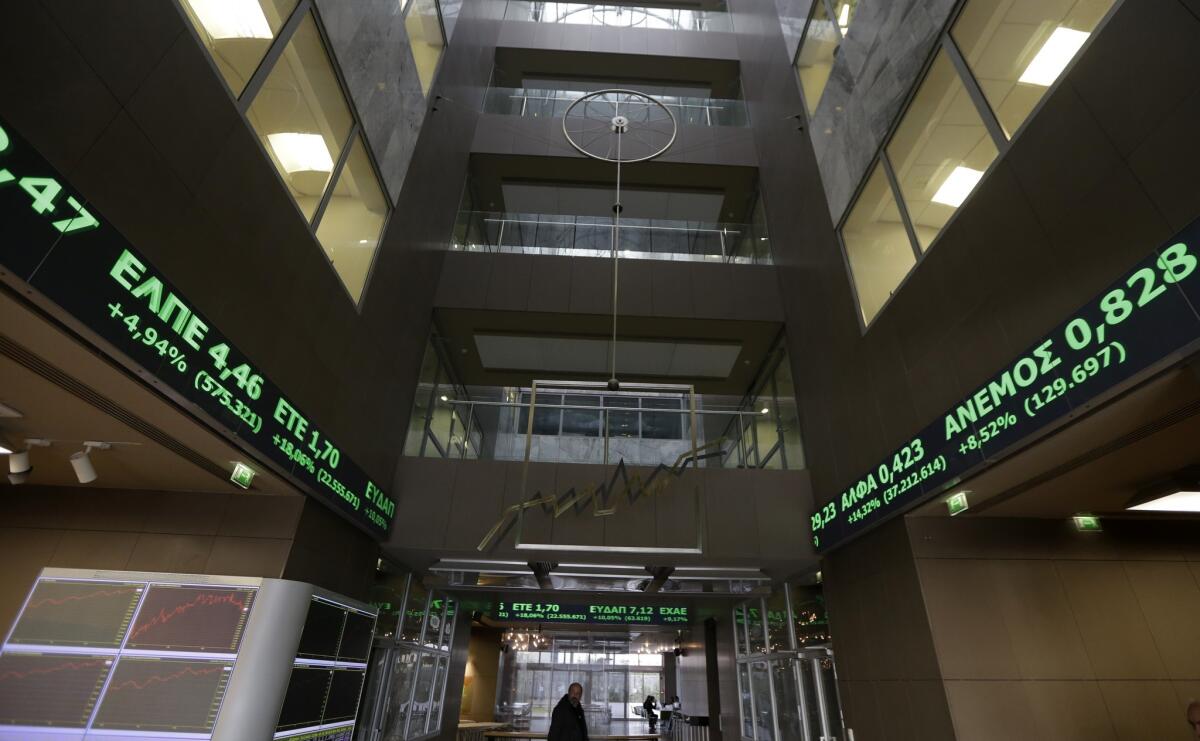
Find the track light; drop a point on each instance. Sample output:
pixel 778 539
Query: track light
pixel 19 465
pixel 82 461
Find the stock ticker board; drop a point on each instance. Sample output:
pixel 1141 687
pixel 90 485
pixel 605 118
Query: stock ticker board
pixel 1150 313
pixel 57 243
pixel 553 612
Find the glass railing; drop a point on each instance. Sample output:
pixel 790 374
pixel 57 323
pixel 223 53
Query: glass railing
pixel 534 103
pixel 605 428
pixel 592 236
pixel 618 16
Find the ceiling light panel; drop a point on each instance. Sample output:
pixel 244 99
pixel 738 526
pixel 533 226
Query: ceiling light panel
pixel 232 19
pixel 957 187
pixel 301 152
pixel 1054 56
pixel 1180 501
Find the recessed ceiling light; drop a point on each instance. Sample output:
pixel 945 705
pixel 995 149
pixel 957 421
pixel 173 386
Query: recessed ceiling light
pixel 1180 501
pixel 1054 56
pixel 958 186
pixel 232 20
pixel 301 152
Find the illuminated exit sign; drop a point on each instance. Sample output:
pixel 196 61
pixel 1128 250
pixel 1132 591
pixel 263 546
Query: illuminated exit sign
pixel 1142 319
pixel 52 239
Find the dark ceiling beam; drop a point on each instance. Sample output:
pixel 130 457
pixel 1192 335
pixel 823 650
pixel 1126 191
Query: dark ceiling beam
pixel 541 571
pixel 660 575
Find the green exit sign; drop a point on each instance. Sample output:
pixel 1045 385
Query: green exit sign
pixel 957 504
pixel 242 475
pixel 1087 523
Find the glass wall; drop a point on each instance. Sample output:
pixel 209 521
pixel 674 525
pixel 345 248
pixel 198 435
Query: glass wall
pixel 985 79
pixel 786 675
pixel 423 24
pixel 272 55
pixel 767 434
pixel 543 103
pixel 410 660
pixel 616 673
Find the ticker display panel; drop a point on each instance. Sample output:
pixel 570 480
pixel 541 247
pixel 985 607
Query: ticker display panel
pixel 556 612
pixel 52 238
pixel 1140 320
pixel 148 659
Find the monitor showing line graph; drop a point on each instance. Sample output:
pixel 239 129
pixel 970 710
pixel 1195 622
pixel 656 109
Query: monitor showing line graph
pixel 50 690
pixel 160 694
pixel 188 618
pixel 77 613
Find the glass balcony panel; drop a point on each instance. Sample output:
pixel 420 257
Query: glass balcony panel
pixel 591 236
pixel 618 16
pixel 544 103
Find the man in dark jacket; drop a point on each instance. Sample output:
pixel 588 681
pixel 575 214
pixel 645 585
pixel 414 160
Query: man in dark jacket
pixel 567 723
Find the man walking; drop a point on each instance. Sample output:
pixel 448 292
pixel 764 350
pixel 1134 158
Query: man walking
pixel 567 723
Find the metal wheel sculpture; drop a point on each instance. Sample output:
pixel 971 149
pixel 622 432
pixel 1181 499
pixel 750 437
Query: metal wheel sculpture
pixel 621 127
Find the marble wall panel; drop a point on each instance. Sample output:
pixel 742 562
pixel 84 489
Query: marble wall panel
pixel 878 63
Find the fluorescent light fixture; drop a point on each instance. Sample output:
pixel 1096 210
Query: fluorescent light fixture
pixel 844 17
pixel 1054 56
pixel 1180 501
pixel 958 186
pixel 445 398
pixel 301 152
pixel 232 19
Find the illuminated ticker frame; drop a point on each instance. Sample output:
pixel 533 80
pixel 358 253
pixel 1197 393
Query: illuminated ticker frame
pixel 1145 320
pixel 84 272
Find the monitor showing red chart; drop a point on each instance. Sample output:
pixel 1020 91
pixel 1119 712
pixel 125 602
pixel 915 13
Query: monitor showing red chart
pixel 77 613
pixel 44 689
pixel 160 694
pixel 189 618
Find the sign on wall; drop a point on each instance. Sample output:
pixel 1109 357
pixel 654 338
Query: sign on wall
pixel 53 240
pixel 1141 319
pixel 554 612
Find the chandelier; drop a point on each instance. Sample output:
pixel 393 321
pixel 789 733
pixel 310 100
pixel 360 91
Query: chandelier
pixel 524 640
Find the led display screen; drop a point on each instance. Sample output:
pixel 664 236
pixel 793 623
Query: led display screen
pixel 72 613
pixel 552 612
pixel 140 658
pixel 54 690
pixel 344 690
pixel 159 694
pixel 1140 320
pixel 322 631
pixel 356 637
pixel 304 701
pixel 204 619
pixel 61 245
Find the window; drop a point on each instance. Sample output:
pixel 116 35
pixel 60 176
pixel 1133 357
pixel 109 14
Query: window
pixel 302 118
pixel 353 220
pixel 877 245
pixel 424 28
pixel 940 151
pixel 238 34
pixel 814 61
pixel 272 55
pixel 1016 49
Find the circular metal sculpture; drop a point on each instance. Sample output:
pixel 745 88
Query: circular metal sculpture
pixel 619 126
pixel 622 127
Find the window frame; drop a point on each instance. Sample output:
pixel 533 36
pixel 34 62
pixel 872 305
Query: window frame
pixel 254 84
pixel 406 8
pixel 944 41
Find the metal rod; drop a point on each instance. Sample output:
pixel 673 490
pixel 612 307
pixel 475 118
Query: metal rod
pixel 585 407
pixel 628 226
pixel 616 240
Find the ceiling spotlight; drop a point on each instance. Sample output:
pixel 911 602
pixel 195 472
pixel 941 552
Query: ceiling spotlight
pixel 765 410
pixel 445 398
pixel 82 461
pixel 19 466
